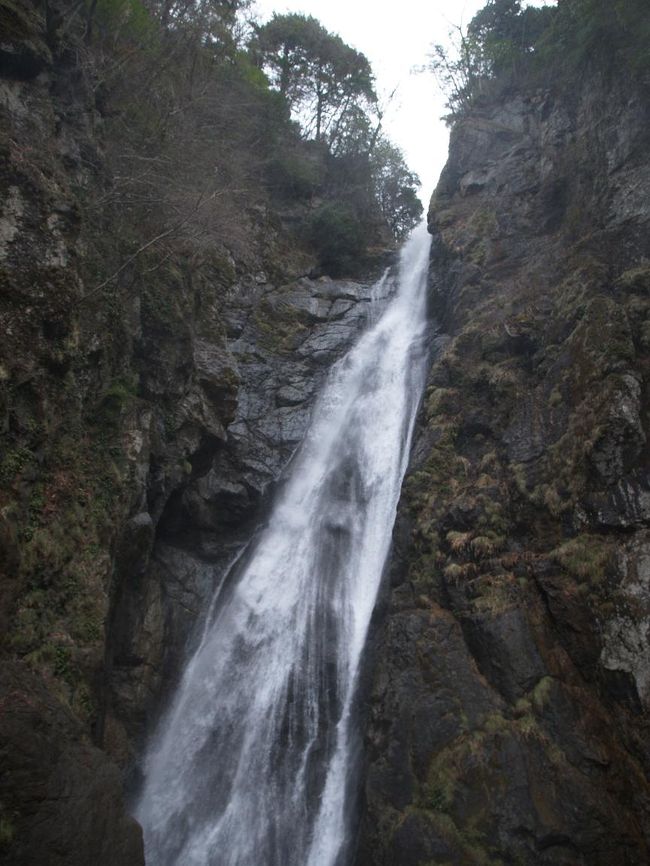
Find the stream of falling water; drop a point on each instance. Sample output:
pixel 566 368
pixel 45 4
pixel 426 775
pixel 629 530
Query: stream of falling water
pixel 251 764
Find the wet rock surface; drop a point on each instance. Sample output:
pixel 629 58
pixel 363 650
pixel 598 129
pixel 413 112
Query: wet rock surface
pixel 290 337
pixel 508 721
pixel 286 339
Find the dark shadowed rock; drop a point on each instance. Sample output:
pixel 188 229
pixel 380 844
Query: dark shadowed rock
pixel 61 796
pixel 505 651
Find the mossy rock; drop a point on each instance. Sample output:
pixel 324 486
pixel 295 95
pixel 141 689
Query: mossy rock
pixel 585 557
pixel 281 327
pixel 635 280
pixel 602 342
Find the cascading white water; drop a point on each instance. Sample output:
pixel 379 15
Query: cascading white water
pixel 250 766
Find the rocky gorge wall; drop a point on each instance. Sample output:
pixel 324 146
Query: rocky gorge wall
pixel 508 719
pixel 148 406
pixel 145 421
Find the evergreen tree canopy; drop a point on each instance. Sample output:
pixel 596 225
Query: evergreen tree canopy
pixel 194 84
pixel 319 75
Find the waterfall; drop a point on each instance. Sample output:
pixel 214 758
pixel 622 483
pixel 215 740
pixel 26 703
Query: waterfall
pixel 251 764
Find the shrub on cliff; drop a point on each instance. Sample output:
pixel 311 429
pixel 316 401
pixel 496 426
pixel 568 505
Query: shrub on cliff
pixel 330 91
pixel 496 44
pixel 507 43
pixel 338 236
pixel 607 33
pixel 214 125
pixel 212 120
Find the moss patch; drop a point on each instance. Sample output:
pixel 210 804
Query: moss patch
pixel 585 557
pixel 281 327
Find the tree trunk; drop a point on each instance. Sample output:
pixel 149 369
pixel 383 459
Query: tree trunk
pixel 284 71
pixel 164 14
pixel 320 98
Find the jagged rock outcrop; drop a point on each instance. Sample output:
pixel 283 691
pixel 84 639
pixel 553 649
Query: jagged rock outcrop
pixel 282 340
pixel 508 719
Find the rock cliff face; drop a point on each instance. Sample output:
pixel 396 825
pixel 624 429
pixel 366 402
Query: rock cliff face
pixel 282 341
pixel 148 405
pixel 147 411
pixel 508 719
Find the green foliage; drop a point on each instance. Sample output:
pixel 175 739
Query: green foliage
pixel 396 189
pixel 62 662
pixel 215 132
pixel 502 33
pixel 319 75
pixel 120 393
pixel 296 173
pixel 121 20
pixel 584 557
pixel 498 43
pixel 338 237
pixel 13 461
pixel 333 150
pixel 542 692
pixel 215 24
pixel 281 327
pixel 507 43
pixel 329 89
pixel 438 795
pixel 7 829
pixel 599 32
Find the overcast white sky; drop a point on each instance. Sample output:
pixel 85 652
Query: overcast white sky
pixel 395 37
